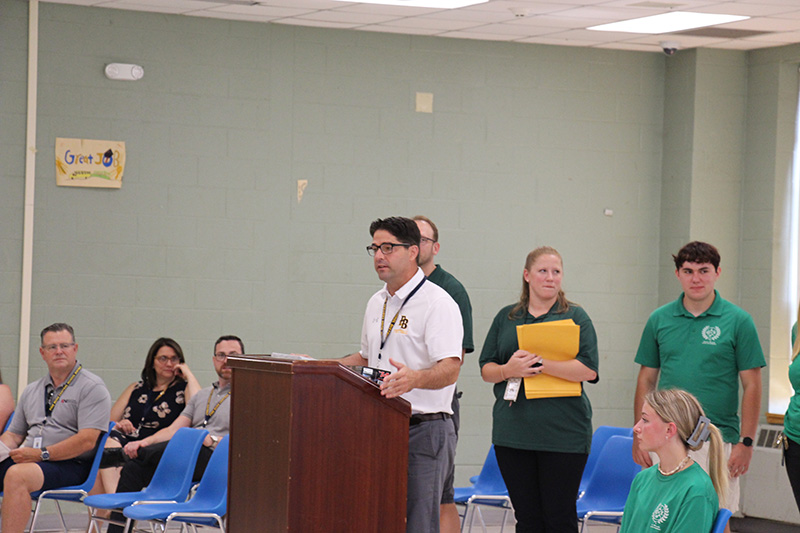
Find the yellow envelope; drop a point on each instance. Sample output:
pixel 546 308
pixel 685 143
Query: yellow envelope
pixel 558 340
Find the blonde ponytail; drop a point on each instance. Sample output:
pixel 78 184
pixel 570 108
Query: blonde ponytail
pixel 683 409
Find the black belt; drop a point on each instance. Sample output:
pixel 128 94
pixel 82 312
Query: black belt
pixel 418 419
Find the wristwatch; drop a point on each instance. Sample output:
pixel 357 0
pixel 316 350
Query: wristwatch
pixel 214 441
pixel 45 454
pixel 747 441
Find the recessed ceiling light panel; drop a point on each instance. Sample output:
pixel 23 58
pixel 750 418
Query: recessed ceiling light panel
pixel 668 22
pixel 436 4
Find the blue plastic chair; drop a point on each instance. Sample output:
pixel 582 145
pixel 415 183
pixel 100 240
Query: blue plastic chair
pixel 8 422
pixel 75 493
pixel 723 515
pixel 609 484
pixel 171 481
pixel 599 439
pixel 488 489
pixel 208 505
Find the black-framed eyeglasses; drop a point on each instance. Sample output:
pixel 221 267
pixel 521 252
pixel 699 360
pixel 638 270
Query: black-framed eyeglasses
pixel 386 247
pixel 423 239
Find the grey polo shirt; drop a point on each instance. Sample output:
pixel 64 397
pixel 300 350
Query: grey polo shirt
pixel 219 422
pixel 84 404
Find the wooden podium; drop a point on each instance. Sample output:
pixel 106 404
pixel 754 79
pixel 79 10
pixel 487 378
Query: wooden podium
pixel 314 448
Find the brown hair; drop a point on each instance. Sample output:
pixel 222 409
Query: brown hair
pixel 149 370
pixel 524 298
pixel 697 252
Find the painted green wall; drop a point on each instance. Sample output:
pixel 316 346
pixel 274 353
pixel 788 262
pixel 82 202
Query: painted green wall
pixel 527 146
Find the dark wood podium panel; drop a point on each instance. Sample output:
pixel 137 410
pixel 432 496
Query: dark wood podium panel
pixel 314 448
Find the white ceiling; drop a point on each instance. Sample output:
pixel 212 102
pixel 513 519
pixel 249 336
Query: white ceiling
pixel 557 22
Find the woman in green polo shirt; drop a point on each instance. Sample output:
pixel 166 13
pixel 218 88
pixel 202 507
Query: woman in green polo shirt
pixel 791 421
pixel 541 444
pixel 675 495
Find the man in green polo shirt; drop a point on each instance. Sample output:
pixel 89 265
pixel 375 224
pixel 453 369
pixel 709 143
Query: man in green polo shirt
pixel 449 521
pixel 705 345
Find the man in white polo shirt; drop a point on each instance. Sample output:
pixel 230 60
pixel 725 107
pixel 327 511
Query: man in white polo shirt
pixel 413 328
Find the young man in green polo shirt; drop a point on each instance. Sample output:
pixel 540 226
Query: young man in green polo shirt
pixel 705 345
pixel 449 521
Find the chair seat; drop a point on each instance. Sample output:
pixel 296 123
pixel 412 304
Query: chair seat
pixel 463 494
pixel 124 499
pixel 161 511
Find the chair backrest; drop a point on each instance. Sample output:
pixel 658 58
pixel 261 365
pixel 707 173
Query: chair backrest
pixel 490 481
pixel 213 488
pixel 611 480
pixel 98 455
pixel 599 439
pixel 8 422
pixel 87 485
pixel 173 477
pixel 723 515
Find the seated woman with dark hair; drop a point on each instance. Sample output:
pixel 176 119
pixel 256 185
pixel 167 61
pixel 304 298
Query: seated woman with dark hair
pixel 147 406
pixel 676 495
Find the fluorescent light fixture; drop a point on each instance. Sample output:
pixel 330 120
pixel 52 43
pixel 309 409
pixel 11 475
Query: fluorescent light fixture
pixel 668 22
pixel 436 4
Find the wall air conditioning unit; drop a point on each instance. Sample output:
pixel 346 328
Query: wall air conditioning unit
pixel 766 492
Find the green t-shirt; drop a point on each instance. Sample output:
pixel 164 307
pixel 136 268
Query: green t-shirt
pixel 457 292
pixel 543 424
pixel 681 503
pixel 791 421
pixel 703 355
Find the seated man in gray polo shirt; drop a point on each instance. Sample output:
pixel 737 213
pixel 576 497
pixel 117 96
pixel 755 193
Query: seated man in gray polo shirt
pixel 208 409
pixel 56 427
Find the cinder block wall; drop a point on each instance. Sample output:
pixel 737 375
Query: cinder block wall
pixel 526 146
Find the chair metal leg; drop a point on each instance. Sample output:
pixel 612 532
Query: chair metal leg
pixel 480 515
pixel 35 515
pixel 505 515
pixel 60 517
pixel 37 506
pixel 468 514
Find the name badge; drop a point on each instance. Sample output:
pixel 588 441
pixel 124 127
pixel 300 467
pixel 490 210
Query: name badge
pixel 37 442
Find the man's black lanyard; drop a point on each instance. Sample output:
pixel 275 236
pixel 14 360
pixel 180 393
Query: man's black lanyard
pixel 49 402
pixel 391 325
pixel 208 404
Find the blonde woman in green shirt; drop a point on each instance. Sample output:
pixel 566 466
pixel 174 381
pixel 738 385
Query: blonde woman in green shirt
pixel 675 495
